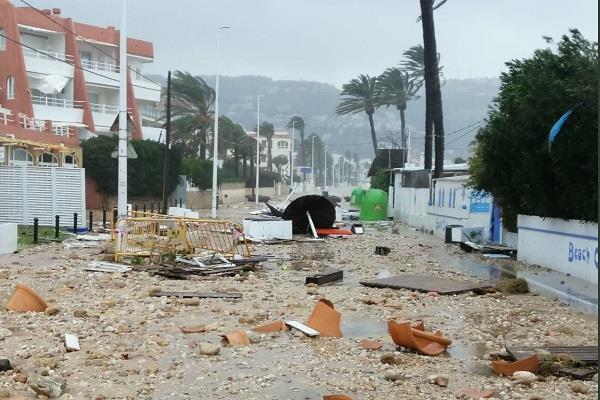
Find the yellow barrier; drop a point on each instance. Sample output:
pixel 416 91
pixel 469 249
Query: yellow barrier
pixel 156 235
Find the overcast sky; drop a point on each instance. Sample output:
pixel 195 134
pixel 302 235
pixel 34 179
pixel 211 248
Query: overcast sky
pixel 334 40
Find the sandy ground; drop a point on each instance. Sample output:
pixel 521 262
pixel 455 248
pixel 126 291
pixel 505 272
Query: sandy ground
pixel 132 348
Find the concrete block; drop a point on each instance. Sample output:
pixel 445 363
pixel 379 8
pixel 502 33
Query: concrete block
pixel 8 238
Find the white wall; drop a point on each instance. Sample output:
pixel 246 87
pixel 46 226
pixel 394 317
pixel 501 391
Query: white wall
pixel 568 246
pixel 41 192
pixel 8 238
pixel 410 207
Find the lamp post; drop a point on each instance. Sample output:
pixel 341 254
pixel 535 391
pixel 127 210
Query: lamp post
pixel 216 138
pixel 312 162
pixel 257 145
pixel 325 172
pixel 292 154
pixel 122 149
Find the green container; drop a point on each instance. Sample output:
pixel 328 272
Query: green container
pixel 374 205
pixel 357 196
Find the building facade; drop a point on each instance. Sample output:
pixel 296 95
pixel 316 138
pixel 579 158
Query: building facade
pixel 282 145
pixel 59 83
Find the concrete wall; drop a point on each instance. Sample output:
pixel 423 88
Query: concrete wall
pixel 8 238
pixel 410 207
pixel 231 193
pixel 568 246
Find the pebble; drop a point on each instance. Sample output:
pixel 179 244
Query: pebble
pixel 52 310
pixel 4 333
pixel 80 313
pixel 20 377
pixel 524 377
pixel 51 387
pixel 209 349
pixel 441 380
pixel 389 358
pixel 190 302
pixel 579 387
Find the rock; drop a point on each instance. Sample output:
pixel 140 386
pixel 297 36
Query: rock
pixel 209 349
pixel 441 380
pixel 20 377
pixel 4 333
pixel 536 397
pixel 80 313
pixel 190 302
pixel 393 376
pixel 595 378
pixel 389 358
pixel 51 387
pixel 5 364
pixel 524 377
pixel 52 310
pixel 246 320
pixel 153 290
pixel 579 387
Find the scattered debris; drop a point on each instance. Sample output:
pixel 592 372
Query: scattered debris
pixel 333 232
pixel 71 342
pixel 5 364
pixel 440 380
pixel 237 338
pixel 25 299
pixel 416 338
pixel 477 394
pixel 203 295
pixel 52 310
pixel 471 247
pixel 267 228
pixel 426 284
pixel 52 387
pixel 103 266
pixel 513 286
pixel 308 331
pixel 382 250
pixel 209 349
pixel 496 256
pixel 193 329
pixel 336 397
pixel 371 344
pixel 579 387
pixel 357 229
pixel 587 355
pixel 325 277
pixel 321 211
pixel 524 377
pixel 270 327
pixel 502 367
pixel 325 319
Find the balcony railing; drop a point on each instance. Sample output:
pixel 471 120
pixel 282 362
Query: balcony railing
pixel 99 66
pixel 104 108
pixel 151 113
pixel 46 55
pixel 55 102
pixel 32 123
pixel 61 130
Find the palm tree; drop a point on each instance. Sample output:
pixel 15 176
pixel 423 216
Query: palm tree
pixel 267 130
pixel 397 89
pixel 432 81
pixel 297 122
pixel 279 162
pixel 192 111
pixel 358 95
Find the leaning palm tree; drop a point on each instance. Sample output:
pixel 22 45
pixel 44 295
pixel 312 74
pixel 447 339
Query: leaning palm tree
pixel 267 130
pixel 397 89
pixel 192 111
pixel 360 95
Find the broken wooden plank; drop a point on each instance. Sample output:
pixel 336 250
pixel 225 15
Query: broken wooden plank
pixel 203 295
pixel 325 277
pixel 308 331
pixel 102 266
pixel 586 354
pixel 579 373
pixel 71 342
pixel 426 284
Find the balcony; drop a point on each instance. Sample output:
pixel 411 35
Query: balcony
pixel 57 109
pixel 151 113
pixel 100 66
pixel 145 90
pixel 48 63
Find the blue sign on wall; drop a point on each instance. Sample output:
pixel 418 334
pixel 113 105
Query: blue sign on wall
pixel 480 207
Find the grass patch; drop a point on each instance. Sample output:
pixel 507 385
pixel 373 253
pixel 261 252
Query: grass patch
pixel 45 235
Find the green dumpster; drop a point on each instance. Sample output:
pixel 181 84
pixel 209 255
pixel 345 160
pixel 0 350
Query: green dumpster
pixel 374 205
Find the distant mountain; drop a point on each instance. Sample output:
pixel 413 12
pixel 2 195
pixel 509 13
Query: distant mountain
pixel 465 102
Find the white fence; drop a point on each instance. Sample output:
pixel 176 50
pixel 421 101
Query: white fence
pixel 41 192
pixel 568 246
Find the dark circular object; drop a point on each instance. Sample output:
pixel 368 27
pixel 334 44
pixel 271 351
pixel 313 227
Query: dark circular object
pixel 321 211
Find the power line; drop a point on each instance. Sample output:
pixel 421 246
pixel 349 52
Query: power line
pixel 463 128
pixel 68 63
pixel 85 40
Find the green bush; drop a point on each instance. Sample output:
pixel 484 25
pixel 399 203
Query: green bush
pixel 381 181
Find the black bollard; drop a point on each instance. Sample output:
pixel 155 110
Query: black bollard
pixel 144 208
pixel 75 223
pixel 56 226
pixel 35 230
pixel 180 203
pixel 91 221
pixel 104 218
pixel 114 219
pixel 136 208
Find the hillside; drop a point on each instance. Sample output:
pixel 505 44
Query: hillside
pixel 465 101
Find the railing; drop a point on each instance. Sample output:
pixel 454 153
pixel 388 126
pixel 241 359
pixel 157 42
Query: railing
pixel 32 123
pixel 104 108
pixel 46 55
pixel 151 112
pixel 55 102
pixel 99 66
pixel 61 130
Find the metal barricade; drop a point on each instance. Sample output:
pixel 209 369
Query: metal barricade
pixel 157 235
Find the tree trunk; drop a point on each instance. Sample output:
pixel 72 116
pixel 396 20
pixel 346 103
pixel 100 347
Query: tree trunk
pixel 269 155
pixel 236 167
pixel 373 135
pixel 428 130
pixel 432 80
pixel 303 156
pixel 202 144
pixel 403 127
pixel 244 159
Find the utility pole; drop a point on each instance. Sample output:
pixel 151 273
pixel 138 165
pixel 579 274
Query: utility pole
pixel 312 162
pixel 325 174
pixel 292 154
pixel 257 145
pixel 165 195
pixel 122 151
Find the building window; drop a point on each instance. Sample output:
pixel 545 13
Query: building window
pixel 86 59
pixel 70 162
pixel 2 40
pixel 47 160
pixel 21 157
pixel 10 88
pixel 282 144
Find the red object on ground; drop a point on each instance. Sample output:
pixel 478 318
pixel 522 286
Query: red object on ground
pixel 333 231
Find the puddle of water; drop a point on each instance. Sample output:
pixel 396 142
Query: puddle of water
pixel 363 327
pixel 466 351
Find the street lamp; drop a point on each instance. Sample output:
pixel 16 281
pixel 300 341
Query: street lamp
pixel 257 144
pixel 292 154
pixel 216 138
pixel 312 162
pixel 325 174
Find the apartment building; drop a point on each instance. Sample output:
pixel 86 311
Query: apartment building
pixel 59 83
pixel 282 145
